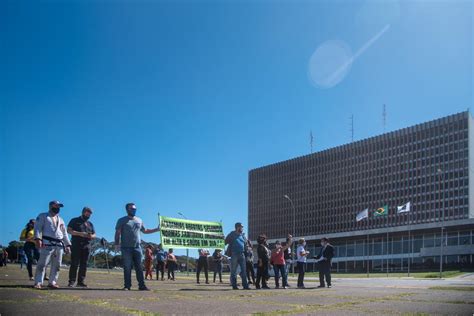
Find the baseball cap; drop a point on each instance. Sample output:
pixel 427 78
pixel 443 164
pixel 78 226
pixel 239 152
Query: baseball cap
pixel 87 209
pixel 131 206
pixel 56 203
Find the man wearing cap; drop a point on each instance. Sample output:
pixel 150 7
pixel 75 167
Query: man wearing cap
pixel 236 250
pixel 127 239
pixel 52 240
pixel 82 232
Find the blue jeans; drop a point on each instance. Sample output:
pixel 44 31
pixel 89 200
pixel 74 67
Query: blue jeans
pixel 132 256
pixel 238 261
pixel 31 253
pixel 280 269
pixel 287 266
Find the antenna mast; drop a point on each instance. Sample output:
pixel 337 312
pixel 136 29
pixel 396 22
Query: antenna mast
pixel 384 117
pixel 352 128
pixel 311 138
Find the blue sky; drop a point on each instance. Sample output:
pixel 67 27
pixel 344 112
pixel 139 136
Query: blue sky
pixel 170 103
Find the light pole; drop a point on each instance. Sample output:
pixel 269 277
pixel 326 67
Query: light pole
pixel 187 249
pixel 294 228
pixel 441 180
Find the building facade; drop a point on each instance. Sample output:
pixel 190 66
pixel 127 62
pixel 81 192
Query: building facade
pixel 428 165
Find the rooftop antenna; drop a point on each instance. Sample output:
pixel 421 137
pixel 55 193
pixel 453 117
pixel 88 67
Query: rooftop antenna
pixel 352 128
pixel 311 139
pixel 384 117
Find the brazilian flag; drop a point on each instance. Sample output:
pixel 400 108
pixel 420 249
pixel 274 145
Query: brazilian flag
pixel 381 211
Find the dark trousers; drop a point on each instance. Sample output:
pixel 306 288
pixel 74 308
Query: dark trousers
pixel 202 264
pixel 79 258
pixel 301 268
pixel 171 268
pixel 262 275
pixel 32 254
pixel 324 271
pixel 218 271
pixel 280 270
pixel 250 271
pixel 160 268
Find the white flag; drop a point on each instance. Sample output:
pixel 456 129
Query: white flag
pixel 362 215
pixel 403 208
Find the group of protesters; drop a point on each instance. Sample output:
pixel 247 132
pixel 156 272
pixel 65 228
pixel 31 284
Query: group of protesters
pixel 240 249
pixel 160 260
pixel 46 240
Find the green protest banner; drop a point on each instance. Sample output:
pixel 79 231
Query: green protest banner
pixel 183 233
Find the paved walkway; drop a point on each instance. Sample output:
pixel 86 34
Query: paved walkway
pixel 348 297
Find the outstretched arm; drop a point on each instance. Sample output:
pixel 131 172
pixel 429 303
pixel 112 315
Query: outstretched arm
pixel 288 245
pixel 150 231
pixel 289 242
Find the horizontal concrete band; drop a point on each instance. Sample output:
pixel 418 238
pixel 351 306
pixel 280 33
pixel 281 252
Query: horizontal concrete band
pixel 447 250
pixel 395 229
pixel 424 252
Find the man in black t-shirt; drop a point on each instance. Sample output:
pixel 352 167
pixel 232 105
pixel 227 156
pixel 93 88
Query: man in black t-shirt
pixel 82 231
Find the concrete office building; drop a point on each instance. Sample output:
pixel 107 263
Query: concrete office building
pixel 429 165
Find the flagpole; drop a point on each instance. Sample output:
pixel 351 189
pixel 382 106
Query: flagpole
pixel 367 250
pixel 368 245
pixel 387 242
pixel 387 251
pixel 410 249
pixel 365 213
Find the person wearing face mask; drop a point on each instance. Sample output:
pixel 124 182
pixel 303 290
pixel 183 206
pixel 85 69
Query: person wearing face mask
pixel 160 257
pixel 249 262
pixel 236 242
pixel 263 254
pixel 278 262
pixel 301 254
pixel 82 232
pixel 217 258
pixel 202 264
pixel 128 239
pixel 52 240
pixel 324 264
pixel 28 236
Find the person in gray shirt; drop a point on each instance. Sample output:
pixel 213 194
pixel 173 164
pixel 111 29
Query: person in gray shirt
pixel 127 239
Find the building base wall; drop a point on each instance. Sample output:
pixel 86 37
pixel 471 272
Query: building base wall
pixel 417 250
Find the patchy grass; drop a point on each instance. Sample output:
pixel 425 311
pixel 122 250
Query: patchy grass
pixel 106 304
pixel 341 306
pixel 453 288
pixel 457 302
pixel 416 275
pixel 295 310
